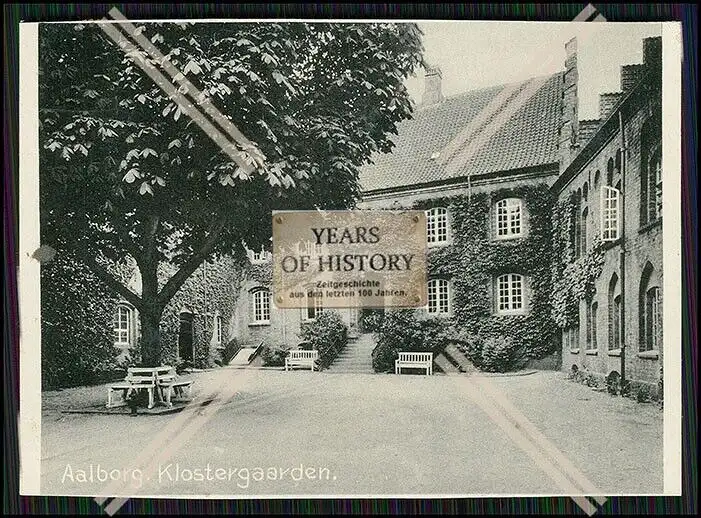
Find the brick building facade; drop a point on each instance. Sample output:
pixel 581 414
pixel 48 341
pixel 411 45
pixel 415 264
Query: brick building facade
pixel 615 182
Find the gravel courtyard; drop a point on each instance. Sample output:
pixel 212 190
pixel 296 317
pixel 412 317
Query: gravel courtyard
pixel 303 433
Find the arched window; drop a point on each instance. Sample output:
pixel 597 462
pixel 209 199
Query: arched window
pixel 597 179
pixel 509 217
pixel 510 293
pixel 654 185
pixel 437 225
pixel 438 297
pixel 260 307
pixel 123 326
pixel 592 338
pixel 614 314
pixel 585 223
pixel 577 224
pixel 650 311
pixel 609 172
pixel 651 170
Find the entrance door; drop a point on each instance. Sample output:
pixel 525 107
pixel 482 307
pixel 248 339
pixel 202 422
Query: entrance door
pixel 185 337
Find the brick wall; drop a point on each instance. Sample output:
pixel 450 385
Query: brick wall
pixel 643 249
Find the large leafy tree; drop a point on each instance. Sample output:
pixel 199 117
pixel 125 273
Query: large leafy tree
pixel 126 173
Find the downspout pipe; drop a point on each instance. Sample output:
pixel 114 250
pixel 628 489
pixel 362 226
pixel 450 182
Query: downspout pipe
pixel 622 253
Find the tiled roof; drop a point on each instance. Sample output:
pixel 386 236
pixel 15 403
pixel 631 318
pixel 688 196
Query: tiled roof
pixel 494 129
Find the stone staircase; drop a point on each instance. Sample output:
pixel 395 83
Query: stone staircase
pixel 356 357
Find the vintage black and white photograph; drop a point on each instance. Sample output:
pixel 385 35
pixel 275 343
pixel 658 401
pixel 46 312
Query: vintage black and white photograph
pixel 535 156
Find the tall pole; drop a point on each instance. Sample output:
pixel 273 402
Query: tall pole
pixel 622 254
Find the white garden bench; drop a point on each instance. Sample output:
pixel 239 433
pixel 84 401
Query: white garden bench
pixel 301 358
pixel 137 379
pixel 414 360
pixel 171 385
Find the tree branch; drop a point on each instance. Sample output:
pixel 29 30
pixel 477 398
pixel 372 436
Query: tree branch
pixel 187 269
pixel 106 277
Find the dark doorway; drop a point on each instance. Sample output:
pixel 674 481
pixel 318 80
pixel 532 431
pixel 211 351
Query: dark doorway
pixel 185 337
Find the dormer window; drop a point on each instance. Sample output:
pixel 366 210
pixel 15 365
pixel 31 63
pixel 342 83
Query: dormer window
pixel 435 155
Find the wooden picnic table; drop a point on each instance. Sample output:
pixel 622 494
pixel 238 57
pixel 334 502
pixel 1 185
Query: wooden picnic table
pixel 159 382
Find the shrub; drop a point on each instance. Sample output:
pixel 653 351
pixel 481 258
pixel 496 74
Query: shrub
pixel 327 334
pixel 403 331
pixel 642 395
pixel 274 355
pixel 501 354
pixel 371 319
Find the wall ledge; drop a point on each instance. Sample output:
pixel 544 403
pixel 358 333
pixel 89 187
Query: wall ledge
pixel 649 355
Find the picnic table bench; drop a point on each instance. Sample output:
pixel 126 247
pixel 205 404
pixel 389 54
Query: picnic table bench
pixel 414 360
pixel 301 358
pixel 158 382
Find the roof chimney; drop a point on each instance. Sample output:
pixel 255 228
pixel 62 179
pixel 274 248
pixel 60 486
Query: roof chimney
pixel 607 102
pixel 630 75
pixel 433 93
pixel 569 107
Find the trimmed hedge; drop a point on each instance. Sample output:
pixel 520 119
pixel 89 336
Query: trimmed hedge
pixel 327 334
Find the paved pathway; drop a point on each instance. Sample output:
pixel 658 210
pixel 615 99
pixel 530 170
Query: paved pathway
pixel 303 433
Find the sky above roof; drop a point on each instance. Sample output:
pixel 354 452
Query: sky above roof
pixel 475 55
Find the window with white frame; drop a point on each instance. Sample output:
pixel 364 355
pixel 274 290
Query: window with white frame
pixel 122 326
pixel 437 225
pixel 510 293
pixel 509 217
pixel 610 217
pixel 438 297
pixel 261 306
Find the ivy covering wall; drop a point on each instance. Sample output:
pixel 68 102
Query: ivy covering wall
pixel 212 290
pixel 474 260
pixel 574 278
pixel 77 312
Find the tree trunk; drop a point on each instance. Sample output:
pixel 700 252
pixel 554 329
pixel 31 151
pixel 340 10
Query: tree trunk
pixel 150 336
pixel 151 311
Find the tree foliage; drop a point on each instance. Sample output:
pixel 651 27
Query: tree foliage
pixel 125 172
